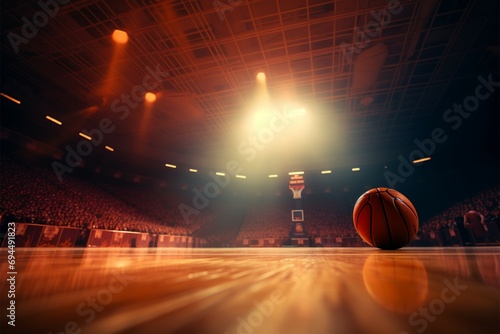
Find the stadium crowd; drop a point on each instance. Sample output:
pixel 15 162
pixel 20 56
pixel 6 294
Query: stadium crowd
pixel 32 194
pixel 485 204
pixel 266 219
pixel 328 218
pixel 270 218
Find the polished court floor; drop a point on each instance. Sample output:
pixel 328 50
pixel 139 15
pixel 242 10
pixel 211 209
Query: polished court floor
pixel 271 291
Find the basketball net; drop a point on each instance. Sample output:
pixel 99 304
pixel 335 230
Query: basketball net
pixel 296 185
pixel 297 191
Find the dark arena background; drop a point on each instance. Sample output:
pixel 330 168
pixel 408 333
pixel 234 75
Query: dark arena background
pixel 193 166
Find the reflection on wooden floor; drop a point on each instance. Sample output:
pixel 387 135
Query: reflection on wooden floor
pixel 271 291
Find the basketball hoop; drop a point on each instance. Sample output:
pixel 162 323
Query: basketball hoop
pixel 297 190
pixel 296 185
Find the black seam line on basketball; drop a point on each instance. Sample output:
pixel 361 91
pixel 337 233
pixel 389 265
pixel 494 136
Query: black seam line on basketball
pixel 357 217
pixel 415 213
pixel 385 215
pixel 403 217
pixel 371 224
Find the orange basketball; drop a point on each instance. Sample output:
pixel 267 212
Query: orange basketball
pixel 385 218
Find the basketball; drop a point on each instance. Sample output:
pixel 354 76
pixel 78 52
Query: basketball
pixel 385 218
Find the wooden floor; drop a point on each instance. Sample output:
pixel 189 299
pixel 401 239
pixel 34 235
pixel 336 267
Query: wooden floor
pixel 271 291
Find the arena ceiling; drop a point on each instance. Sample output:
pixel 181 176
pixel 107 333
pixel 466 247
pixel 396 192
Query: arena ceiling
pixel 373 75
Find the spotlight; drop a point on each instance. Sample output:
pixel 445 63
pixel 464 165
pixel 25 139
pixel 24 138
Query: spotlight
pixel 120 36
pixel 261 76
pixel 150 97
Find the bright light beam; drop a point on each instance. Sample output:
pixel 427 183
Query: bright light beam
pixel 421 160
pixel 85 136
pixel 58 122
pixel 10 98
